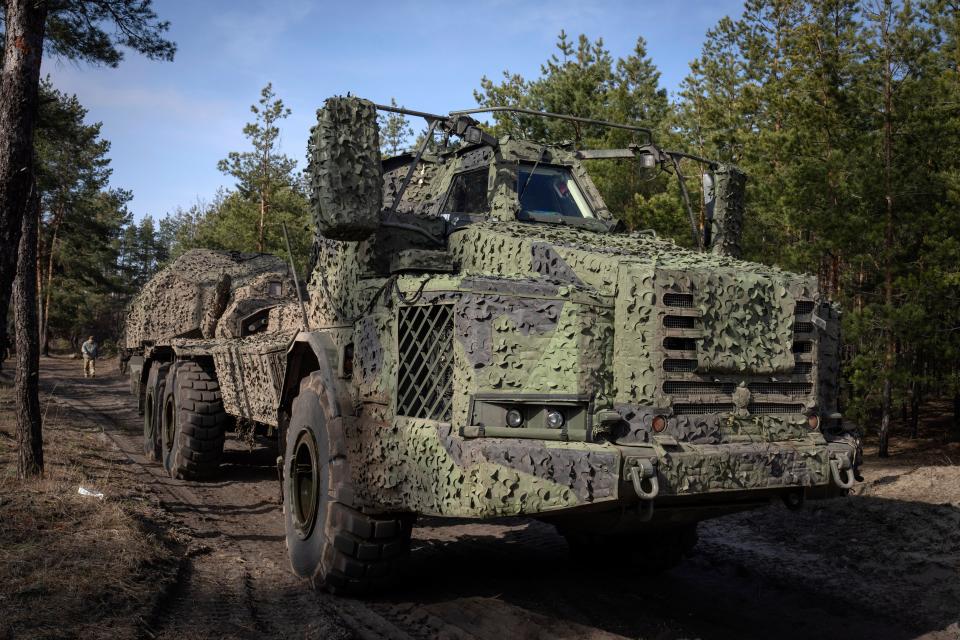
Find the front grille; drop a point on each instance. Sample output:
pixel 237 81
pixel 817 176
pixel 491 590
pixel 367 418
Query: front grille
pixel 691 387
pixel 688 391
pixel 678 299
pixel 679 365
pixel 679 322
pixel 700 408
pixel 784 388
pixel 425 374
pixel 758 408
pixel 680 344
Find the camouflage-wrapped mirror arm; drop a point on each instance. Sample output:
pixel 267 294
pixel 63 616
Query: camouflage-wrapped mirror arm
pixel 730 184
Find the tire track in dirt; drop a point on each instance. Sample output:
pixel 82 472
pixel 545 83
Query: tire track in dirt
pixel 233 582
pixel 487 580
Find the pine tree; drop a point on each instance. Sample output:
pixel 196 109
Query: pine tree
pixel 395 132
pixel 263 173
pixel 72 29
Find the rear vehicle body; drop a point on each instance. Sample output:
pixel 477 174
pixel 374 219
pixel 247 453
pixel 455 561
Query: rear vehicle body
pixel 481 339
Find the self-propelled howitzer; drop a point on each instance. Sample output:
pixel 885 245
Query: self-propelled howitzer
pixel 486 340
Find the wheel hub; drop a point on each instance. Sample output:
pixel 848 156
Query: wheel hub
pixel 304 481
pixel 167 425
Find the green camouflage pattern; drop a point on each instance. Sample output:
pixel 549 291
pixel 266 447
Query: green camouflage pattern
pixel 709 368
pixel 343 160
pixel 546 311
pixel 237 309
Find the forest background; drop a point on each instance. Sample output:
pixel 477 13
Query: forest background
pixel 844 114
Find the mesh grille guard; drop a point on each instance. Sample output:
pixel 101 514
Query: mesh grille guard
pixel 425 372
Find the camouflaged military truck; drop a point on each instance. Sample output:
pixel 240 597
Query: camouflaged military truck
pixel 206 341
pixel 482 338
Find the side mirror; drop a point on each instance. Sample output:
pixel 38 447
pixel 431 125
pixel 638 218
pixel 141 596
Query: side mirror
pixel 344 170
pixel 729 190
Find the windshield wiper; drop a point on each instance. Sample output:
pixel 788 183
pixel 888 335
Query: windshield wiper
pixel 587 223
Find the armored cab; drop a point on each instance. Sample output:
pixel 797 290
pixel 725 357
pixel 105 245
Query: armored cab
pixel 498 344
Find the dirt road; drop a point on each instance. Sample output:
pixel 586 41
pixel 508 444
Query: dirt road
pixel 882 564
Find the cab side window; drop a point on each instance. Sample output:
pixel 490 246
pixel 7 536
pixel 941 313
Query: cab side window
pixel 468 193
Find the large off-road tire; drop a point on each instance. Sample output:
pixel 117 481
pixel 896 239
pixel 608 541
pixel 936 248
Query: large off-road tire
pixel 337 547
pixel 193 423
pixel 646 553
pixel 152 409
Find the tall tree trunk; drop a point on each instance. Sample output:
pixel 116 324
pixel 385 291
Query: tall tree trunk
pixel 19 87
pixel 889 358
pixel 263 215
pixel 27 388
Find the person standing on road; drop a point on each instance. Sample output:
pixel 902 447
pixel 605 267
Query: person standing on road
pixel 89 351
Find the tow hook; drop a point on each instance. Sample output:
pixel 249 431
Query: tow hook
pixel 841 470
pixel 643 475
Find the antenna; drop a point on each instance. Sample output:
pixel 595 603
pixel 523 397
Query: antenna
pixel 296 281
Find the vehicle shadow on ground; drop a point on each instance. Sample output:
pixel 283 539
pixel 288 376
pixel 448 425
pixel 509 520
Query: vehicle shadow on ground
pixel 790 575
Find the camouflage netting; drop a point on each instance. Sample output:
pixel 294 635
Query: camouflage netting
pixel 191 297
pixel 750 323
pixel 728 210
pixel 346 187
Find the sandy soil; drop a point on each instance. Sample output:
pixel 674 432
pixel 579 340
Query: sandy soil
pixel 882 563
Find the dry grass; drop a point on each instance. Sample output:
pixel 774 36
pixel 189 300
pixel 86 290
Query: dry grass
pixel 72 565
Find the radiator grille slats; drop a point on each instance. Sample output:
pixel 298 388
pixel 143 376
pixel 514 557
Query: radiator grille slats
pixel 774 407
pixel 802 368
pixel 694 387
pixel 425 375
pixel 685 386
pixel 803 327
pixel 679 322
pixel 680 344
pixel 679 365
pixel 783 388
pixel 802 346
pixel 678 300
pixel 804 307
pixel 700 408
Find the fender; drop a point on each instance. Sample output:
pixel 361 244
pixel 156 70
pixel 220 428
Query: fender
pixel 314 351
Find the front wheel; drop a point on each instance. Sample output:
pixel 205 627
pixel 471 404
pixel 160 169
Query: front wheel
pixel 335 546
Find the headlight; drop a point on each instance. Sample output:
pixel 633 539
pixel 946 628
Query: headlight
pixel 514 418
pixel 814 422
pixel 554 419
pixel 659 423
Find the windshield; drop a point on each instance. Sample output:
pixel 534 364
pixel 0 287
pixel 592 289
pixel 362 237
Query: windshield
pixel 550 192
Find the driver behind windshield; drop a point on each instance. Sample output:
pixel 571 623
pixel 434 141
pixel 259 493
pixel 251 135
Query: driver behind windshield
pixel 551 191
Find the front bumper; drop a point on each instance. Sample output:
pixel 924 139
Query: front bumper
pixel 679 469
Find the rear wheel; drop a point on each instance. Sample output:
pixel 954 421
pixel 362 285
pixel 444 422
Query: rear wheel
pixel 193 422
pixel 156 382
pixel 335 546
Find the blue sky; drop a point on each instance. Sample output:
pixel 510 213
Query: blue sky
pixel 169 123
